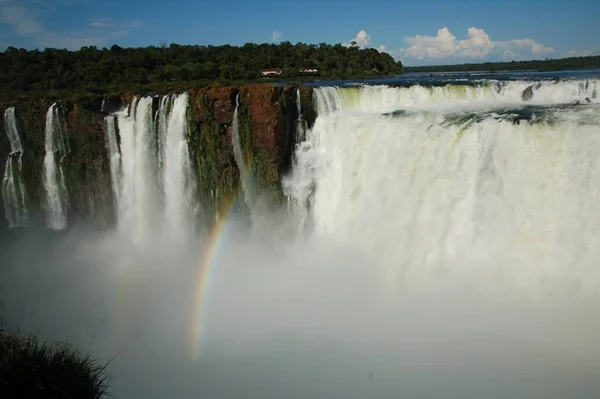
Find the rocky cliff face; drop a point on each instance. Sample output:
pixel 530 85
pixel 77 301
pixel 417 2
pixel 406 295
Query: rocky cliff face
pixel 86 166
pixel 266 118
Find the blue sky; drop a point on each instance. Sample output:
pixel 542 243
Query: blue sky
pixel 418 32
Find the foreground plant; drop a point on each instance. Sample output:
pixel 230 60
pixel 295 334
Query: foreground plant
pixel 32 369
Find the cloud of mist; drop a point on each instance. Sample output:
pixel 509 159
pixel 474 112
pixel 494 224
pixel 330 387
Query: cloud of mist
pixel 296 316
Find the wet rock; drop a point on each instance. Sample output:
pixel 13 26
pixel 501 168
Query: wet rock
pixel 218 102
pixel 267 116
pixel 527 93
pixel 110 104
pixel 497 86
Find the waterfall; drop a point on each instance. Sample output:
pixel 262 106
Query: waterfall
pixel 238 154
pixel 384 99
pixel 178 179
pixel 298 104
pixel 152 162
pixel 13 186
pixel 162 122
pixel 56 145
pixel 114 155
pixel 512 186
pixel 328 99
pixel 12 130
pixel 300 128
pixel 138 198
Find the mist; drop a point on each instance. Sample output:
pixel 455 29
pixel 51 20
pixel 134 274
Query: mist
pixel 435 253
pixel 295 316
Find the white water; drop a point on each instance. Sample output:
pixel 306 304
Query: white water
pixel 298 104
pixel 479 215
pixel 162 122
pixel 138 201
pixel 12 130
pixel 388 99
pixel 178 178
pixel 114 154
pixel 13 187
pixel 300 124
pixel 238 154
pixel 514 202
pixel 153 178
pixel 57 200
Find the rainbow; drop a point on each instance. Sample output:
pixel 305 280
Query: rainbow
pixel 206 271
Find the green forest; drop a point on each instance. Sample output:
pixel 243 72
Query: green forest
pixel 539 65
pixel 115 69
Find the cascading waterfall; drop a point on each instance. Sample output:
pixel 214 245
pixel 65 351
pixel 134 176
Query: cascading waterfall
pixel 137 206
pixel 144 169
pixel 424 179
pixel 57 200
pixel 13 186
pixel 114 154
pixel 162 122
pixel 383 99
pixel 178 179
pixel 238 154
pixel 449 248
pixel 298 104
pixel 300 128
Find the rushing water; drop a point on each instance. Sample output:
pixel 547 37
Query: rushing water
pixel 300 123
pixel 56 146
pixel 14 193
pixel 114 153
pixel 449 248
pixel 151 169
pixel 178 178
pixel 138 199
pixel 245 176
pixel 447 178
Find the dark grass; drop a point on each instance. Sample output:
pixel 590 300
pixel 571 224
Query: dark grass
pixel 33 369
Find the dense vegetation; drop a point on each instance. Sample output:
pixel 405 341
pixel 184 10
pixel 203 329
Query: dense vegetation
pixel 30 369
pixel 103 70
pixel 539 65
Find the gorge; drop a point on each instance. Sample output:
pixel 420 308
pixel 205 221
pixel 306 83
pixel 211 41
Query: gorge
pixel 429 239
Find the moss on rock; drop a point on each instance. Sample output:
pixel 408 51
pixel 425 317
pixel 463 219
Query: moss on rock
pixel 266 118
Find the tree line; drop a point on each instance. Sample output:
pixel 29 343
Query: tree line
pixel 115 68
pixel 539 65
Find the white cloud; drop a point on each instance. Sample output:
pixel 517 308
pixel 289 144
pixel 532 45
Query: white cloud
pixel 362 40
pixel 21 18
pixel 440 46
pixel 110 23
pixel 582 52
pixel 510 55
pixel 536 48
pixel 383 49
pixel 477 45
pixel 29 30
pixel 577 53
pixel 276 36
pixel 102 23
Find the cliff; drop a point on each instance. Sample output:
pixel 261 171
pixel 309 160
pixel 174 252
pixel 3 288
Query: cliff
pixel 267 118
